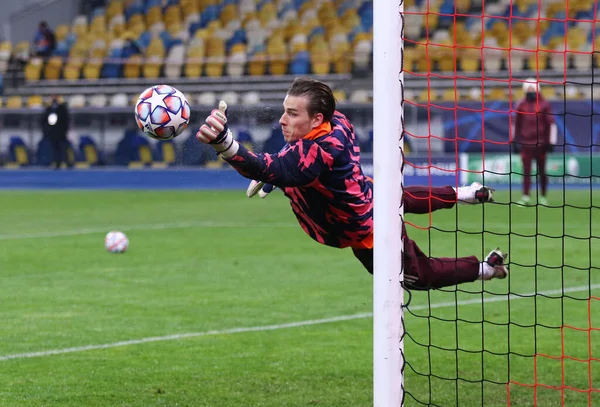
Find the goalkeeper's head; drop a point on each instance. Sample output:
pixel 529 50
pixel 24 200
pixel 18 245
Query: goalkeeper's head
pixel 309 105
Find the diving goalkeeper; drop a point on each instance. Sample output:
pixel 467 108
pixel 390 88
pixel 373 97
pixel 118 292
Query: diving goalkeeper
pixel 319 171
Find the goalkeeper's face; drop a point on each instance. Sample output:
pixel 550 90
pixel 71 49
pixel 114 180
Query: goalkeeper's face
pixel 296 122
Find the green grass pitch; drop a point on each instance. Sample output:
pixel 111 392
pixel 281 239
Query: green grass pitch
pixel 231 272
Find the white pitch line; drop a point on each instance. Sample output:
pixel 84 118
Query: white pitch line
pixel 282 326
pixel 157 226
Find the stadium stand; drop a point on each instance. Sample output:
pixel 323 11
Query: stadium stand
pixel 248 51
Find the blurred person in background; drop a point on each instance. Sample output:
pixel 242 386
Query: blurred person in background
pixel 55 125
pixel 534 136
pixel 44 42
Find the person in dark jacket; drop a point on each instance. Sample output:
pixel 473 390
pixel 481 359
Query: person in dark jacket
pixel 55 124
pixel 44 41
pixel 535 135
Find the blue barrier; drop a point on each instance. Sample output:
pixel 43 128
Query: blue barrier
pixel 119 178
pixel 155 179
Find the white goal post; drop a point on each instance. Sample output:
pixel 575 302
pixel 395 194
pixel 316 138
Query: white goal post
pixel 388 296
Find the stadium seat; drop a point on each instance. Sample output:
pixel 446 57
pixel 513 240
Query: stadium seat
pixel 35 101
pixel 174 61
pixel 215 57
pixel 98 100
pixel 18 154
pixel 231 98
pixel 339 95
pixel 207 99
pixel 33 70
pixel 119 100
pixel 164 154
pixel 72 71
pixel 91 70
pixel 14 102
pixel 194 59
pixel 61 32
pixel 320 58
pixel 76 101
pixel 257 64
pixel 251 99
pixel 52 68
pixel 278 56
pixel 133 67
pixel 236 63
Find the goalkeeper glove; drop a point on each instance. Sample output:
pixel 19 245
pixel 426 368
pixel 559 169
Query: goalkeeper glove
pixel 216 133
pixel 259 187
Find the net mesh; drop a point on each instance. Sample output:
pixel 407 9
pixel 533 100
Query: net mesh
pixel 532 338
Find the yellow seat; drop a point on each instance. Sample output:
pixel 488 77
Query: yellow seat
pixel 151 69
pixel 339 95
pixel 153 16
pixel 114 8
pixel 257 64
pixel 145 155
pixel 155 55
pixel 92 70
pixel 168 153
pixel 215 57
pixel 61 32
pixel 228 13
pixel 52 69
pixel 21 157
pixel 72 71
pixel 33 70
pixel 134 20
pixel 548 92
pixel 98 24
pixel 133 67
pixel 320 59
pixel 14 102
pixel 172 14
pixel 278 56
pixel 35 101
pixel 497 93
pixel 90 154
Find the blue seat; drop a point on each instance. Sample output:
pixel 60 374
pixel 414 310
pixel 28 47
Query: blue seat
pixel 209 14
pixel 300 64
pixel 88 151
pixel 165 152
pixel 18 153
pixel 133 9
pixel 125 152
pixel 62 49
pixel 112 69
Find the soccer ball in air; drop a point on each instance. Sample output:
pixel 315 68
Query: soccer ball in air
pixel 116 242
pixel 162 112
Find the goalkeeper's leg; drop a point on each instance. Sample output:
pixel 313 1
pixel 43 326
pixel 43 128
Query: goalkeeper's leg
pixel 422 272
pixel 426 199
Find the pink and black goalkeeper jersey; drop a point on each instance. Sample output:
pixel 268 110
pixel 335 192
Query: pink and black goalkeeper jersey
pixel 321 175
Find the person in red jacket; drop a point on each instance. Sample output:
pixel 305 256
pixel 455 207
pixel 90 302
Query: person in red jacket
pixel 535 135
pixel 319 171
